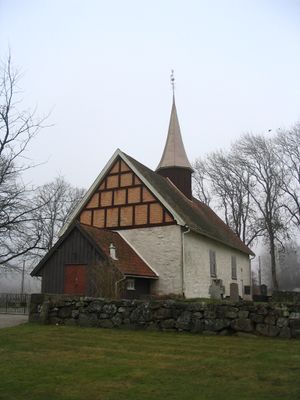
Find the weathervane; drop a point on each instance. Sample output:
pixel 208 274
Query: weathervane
pixel 172 78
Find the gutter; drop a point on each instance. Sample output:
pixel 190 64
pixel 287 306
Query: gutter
pixel 141 276
pixel 188 229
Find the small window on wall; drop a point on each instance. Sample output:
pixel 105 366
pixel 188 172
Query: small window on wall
pixel 212 263
pixel 247 290
pixel 130 284
pixel 233 267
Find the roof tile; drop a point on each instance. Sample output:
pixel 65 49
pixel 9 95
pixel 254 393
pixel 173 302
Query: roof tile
pixel 128 261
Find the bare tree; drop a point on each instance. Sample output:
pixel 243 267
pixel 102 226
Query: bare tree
pixel 106 280
pixel 201 182
pixel 248 185
pixel 17 128
pixel 257 156
pixel 55 201
pixel 219 179
pixel 288 145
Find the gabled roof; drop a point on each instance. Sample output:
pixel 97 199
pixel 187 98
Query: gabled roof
pixel 71 227
pixel 128 261
pixel 199 217
pixel 97 181
pixel 191 213
pixel 174 154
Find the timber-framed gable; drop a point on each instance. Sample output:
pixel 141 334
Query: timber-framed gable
pixel 123 201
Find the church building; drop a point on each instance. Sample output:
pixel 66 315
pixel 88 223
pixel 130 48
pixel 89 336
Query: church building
pixel 148 229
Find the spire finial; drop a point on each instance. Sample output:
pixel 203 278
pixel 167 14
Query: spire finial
pixel 172 78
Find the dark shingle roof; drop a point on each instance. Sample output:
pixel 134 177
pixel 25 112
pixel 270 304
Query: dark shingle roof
pixel 198 216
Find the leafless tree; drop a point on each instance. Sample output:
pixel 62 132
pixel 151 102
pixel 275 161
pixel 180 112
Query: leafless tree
pixel 106 280
pixel 257 155
pixel 248 184
pixel 55 201
pixel 220 179
pixel 201 181
pixel 288 146
pixel 17 129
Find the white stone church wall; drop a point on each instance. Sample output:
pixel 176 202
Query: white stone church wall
pixel 197 266
pixel 161 248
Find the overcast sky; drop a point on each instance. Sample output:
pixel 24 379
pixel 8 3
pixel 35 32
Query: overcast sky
pixel 102 68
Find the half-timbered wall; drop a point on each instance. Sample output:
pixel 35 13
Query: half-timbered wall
pixel 123 201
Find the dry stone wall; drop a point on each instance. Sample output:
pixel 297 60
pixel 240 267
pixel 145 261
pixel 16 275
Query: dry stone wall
pixel 286 297
pixel 243 318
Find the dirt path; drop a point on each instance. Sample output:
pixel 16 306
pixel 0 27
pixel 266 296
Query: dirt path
pixel 7 320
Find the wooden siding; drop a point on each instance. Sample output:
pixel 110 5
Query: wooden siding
pixel 75 249
pixel 181 177
pixel 142 289
pixel 123 201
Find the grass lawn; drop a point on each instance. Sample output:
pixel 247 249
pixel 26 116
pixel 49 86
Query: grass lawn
pixel 66 363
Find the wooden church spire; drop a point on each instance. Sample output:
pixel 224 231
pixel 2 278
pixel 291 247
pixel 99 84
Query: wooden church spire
pixel 174 154
pixel 174 163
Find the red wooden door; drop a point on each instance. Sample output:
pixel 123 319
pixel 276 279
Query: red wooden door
pixel 75 279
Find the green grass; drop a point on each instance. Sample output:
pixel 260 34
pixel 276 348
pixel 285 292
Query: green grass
pixel 58 362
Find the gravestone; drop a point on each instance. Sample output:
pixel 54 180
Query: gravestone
pixel 234 292
pixel 216 289
pixel 264 290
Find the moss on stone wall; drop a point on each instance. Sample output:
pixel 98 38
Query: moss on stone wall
pixel 199 317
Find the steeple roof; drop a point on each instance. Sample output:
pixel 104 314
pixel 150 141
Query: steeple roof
pixel 174 154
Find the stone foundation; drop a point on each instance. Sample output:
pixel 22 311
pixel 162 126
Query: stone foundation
pixel 243 318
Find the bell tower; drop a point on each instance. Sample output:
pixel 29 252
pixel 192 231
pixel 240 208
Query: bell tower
pixel 174 163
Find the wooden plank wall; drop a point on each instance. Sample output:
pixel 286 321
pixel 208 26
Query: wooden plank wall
pixel 74 250
pixel 123 201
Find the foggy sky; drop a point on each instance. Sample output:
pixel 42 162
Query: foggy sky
pixel 102 68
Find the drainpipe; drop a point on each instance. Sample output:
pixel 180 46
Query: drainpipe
pixel 250 275
pixel 242 282
pixel 116 285
pixel 183 259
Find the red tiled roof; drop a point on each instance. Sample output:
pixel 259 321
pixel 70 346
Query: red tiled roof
pixel 128 261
